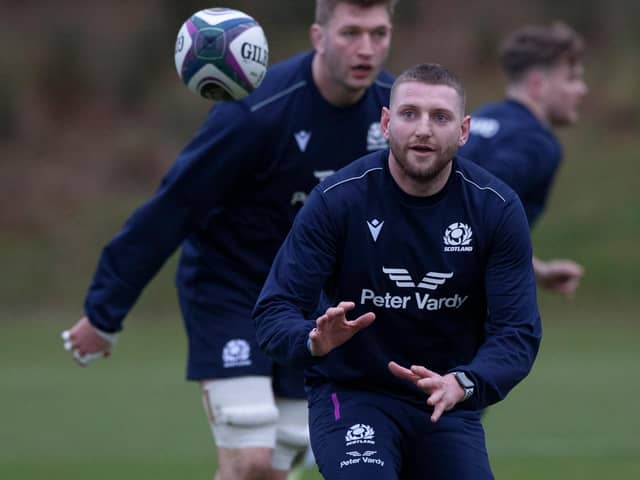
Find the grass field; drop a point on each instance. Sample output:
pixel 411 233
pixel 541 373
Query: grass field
pixel 132 416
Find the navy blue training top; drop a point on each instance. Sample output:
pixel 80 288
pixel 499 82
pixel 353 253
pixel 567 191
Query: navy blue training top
pixel 449 278
pixel 510 142
pixel 232 194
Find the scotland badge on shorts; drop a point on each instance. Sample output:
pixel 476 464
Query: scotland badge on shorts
pixel 359 434
pixel 236 353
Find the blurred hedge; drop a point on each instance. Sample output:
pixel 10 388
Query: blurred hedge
pixel 92 111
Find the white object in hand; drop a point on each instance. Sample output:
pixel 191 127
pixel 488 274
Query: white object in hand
pixel 85 359
pixel 88 357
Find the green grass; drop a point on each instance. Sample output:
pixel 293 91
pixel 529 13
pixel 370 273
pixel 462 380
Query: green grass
pixel 133 416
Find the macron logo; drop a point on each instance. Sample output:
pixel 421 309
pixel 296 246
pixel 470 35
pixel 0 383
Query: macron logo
pixel 375 226
pixel 430 281
pixel 302 139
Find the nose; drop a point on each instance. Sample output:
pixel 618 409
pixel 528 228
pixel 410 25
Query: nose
pixel 423 127
pixel 584 89
pixel 365 46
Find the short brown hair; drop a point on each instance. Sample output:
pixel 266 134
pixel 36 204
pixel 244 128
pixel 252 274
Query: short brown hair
pixel 539 46
pixel 325 8
pixel 432 74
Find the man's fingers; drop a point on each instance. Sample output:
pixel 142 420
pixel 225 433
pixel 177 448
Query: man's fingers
pixel 321 322
pixel 437 412
pixel 429 384
pixel 334 313
pixel 565 269
pixel 346 306
pixel 363 321
pixel 565 286
pixel 339 313
pixel 340 310
pixel 435 397
pixel 399 369
pixel 574 269
pixel 421 376
pixel 402 372
pixel 423 371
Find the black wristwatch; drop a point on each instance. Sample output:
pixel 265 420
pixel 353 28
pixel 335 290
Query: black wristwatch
pixel 466 384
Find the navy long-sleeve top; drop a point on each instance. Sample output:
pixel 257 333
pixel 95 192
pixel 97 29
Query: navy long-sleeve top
pixel 449 278
pixel 510 142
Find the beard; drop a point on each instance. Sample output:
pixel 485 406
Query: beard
pixel 423 173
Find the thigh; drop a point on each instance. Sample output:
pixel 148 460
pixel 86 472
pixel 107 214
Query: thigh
pixel 454 447
pixel 354 435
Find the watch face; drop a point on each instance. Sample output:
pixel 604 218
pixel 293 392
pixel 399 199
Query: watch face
pixel 463 380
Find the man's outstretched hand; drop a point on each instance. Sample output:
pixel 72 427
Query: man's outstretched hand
pixel 558 276
pixel 333 329
pixel 444 390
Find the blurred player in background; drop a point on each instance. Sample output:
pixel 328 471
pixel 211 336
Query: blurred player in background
pixel 229 201
pixel 514 139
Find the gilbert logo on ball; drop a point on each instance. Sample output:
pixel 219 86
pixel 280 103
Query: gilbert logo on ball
pixel 221 54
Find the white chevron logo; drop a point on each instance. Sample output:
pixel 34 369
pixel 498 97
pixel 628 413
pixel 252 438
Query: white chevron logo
pixel 302 139
pixel 367 453
pixel 430 281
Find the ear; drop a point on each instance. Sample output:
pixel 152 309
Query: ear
pixel 384 122
pixel 465 127
pixel 536 83
pixel 316 35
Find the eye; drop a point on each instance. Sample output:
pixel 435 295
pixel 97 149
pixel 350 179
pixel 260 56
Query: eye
pixel 408 114
pixel 380 33
pixel 350 33
pixel 441 117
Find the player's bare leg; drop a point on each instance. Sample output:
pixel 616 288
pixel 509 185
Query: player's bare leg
pixel 247 464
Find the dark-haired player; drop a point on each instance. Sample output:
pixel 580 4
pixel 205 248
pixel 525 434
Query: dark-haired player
pixel 514 139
